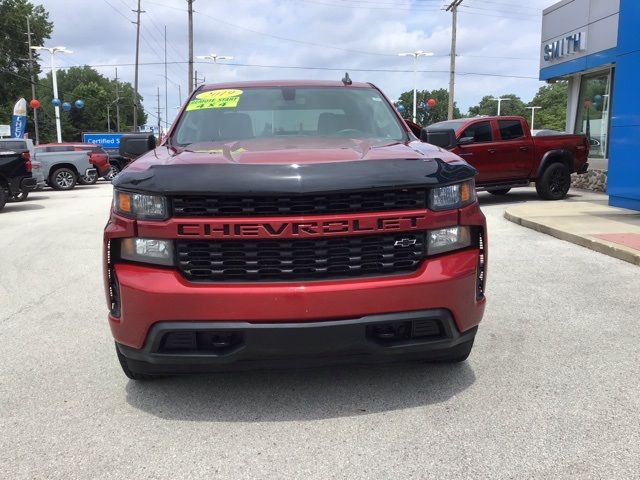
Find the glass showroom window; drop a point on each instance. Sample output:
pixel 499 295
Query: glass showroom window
pixel 594 111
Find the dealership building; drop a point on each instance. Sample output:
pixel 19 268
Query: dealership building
pixel 595 46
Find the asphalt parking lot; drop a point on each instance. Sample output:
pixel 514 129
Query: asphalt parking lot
pixel 551 389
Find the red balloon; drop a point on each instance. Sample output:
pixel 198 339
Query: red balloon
pixel 432 102
pixel 34 103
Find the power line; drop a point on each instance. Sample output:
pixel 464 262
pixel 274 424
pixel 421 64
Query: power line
pixel 300 67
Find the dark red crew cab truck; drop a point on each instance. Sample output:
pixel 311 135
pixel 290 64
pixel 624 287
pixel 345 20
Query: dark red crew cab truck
pixel 506 155
pixel 289 224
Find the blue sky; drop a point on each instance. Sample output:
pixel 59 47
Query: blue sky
pixel 497 38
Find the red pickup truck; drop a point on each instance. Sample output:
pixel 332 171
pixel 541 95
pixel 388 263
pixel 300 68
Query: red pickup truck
pixel 291 223
pixel 506 155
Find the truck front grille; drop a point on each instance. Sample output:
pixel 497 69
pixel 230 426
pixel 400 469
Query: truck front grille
pixel 365 201
pixel 291 260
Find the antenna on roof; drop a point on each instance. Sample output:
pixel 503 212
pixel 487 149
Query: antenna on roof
pixel 346 80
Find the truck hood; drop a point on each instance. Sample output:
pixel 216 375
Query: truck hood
pixel 289 150
pixel 291 166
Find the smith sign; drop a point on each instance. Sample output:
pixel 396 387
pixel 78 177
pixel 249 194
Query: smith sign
pixel 566 46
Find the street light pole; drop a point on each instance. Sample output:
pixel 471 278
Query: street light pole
pixel 533 116
pixel 52 51
pixel 214 57
pixel 499 100
pixel 415 55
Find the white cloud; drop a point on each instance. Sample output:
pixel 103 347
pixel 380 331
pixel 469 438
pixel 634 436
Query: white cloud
pixel 100 32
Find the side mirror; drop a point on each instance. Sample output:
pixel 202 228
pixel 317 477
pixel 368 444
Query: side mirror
pixel 132 146
pixel 439 138
pixel 465 140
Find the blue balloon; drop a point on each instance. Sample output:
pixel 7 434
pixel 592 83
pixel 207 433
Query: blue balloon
pixel 401 108
pixel 66 106
pixel 79 103
pixel 56 102
pixel 597 98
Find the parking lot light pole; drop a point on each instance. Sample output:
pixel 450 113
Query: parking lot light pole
pixel 214 57
pixel 415 55
pixel 533 116
pixel 499 100
pixel 53 51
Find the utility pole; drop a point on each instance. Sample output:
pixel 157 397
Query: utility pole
pixel 135 81
pixel 453 8
pixel 33 83
pixel 159 116
pixel 533 115
pixel 166 86
pixel 198 80
pixel 500 100
pixel 190 8
pixel 117 102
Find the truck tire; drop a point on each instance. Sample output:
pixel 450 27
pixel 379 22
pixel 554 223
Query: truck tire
pixel 88 179
pixel 63 179
pixel 3 197
pixel 128 372
pixel 113 172
pixel 499 191
pixel 554 183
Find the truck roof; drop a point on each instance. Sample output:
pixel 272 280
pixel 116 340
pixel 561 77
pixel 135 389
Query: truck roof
pixel 284 83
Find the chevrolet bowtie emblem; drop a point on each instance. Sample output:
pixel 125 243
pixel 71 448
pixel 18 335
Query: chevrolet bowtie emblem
pixel 405 242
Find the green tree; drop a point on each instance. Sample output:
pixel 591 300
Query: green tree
pixel 426 116
pixel 553 100
pixel 99 96
pixel 513 106
pixel 15 81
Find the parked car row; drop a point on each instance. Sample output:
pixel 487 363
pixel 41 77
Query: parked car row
pixel 25 167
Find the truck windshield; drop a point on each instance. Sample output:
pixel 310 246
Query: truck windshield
pixel 240 114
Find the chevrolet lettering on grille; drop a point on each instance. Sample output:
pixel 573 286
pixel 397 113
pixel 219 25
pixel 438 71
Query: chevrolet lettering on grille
pixel 230 230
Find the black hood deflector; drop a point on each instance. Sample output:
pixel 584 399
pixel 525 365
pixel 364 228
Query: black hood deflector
pixel 280 179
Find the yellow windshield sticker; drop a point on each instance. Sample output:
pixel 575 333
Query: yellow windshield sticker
pixel 219 94
pixel 227 98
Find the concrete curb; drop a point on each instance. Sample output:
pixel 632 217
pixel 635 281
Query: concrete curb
pixel 602 246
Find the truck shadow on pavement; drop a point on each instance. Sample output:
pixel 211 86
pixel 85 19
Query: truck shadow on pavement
pixel 21 207
pixel 297 395
pixel 487 199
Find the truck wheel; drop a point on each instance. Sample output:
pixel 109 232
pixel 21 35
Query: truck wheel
pixel 115 170
pixel 3 197
pixel 63 179
pixel 499 191
pixel 128 372
pixel 88 179
pixel 554 183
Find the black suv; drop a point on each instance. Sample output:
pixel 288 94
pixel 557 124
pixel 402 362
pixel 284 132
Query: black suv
pixel 15 172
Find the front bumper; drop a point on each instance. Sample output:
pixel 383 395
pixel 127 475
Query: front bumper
pixel 191 347
pixel 150 295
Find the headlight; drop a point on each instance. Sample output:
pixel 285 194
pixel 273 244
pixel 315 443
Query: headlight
pixel 453 196
pixel 448 239
pixel 147 250
pixel 140 206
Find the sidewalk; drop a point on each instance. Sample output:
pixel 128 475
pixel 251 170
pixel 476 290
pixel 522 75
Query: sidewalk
pixel 585 219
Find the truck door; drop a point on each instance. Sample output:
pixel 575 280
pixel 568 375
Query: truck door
pixel 478 146
pixel 516 150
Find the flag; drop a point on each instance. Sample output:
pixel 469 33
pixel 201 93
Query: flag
pixel 19 120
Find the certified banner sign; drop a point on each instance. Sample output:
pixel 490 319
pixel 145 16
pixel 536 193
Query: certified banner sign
pixel 19 120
